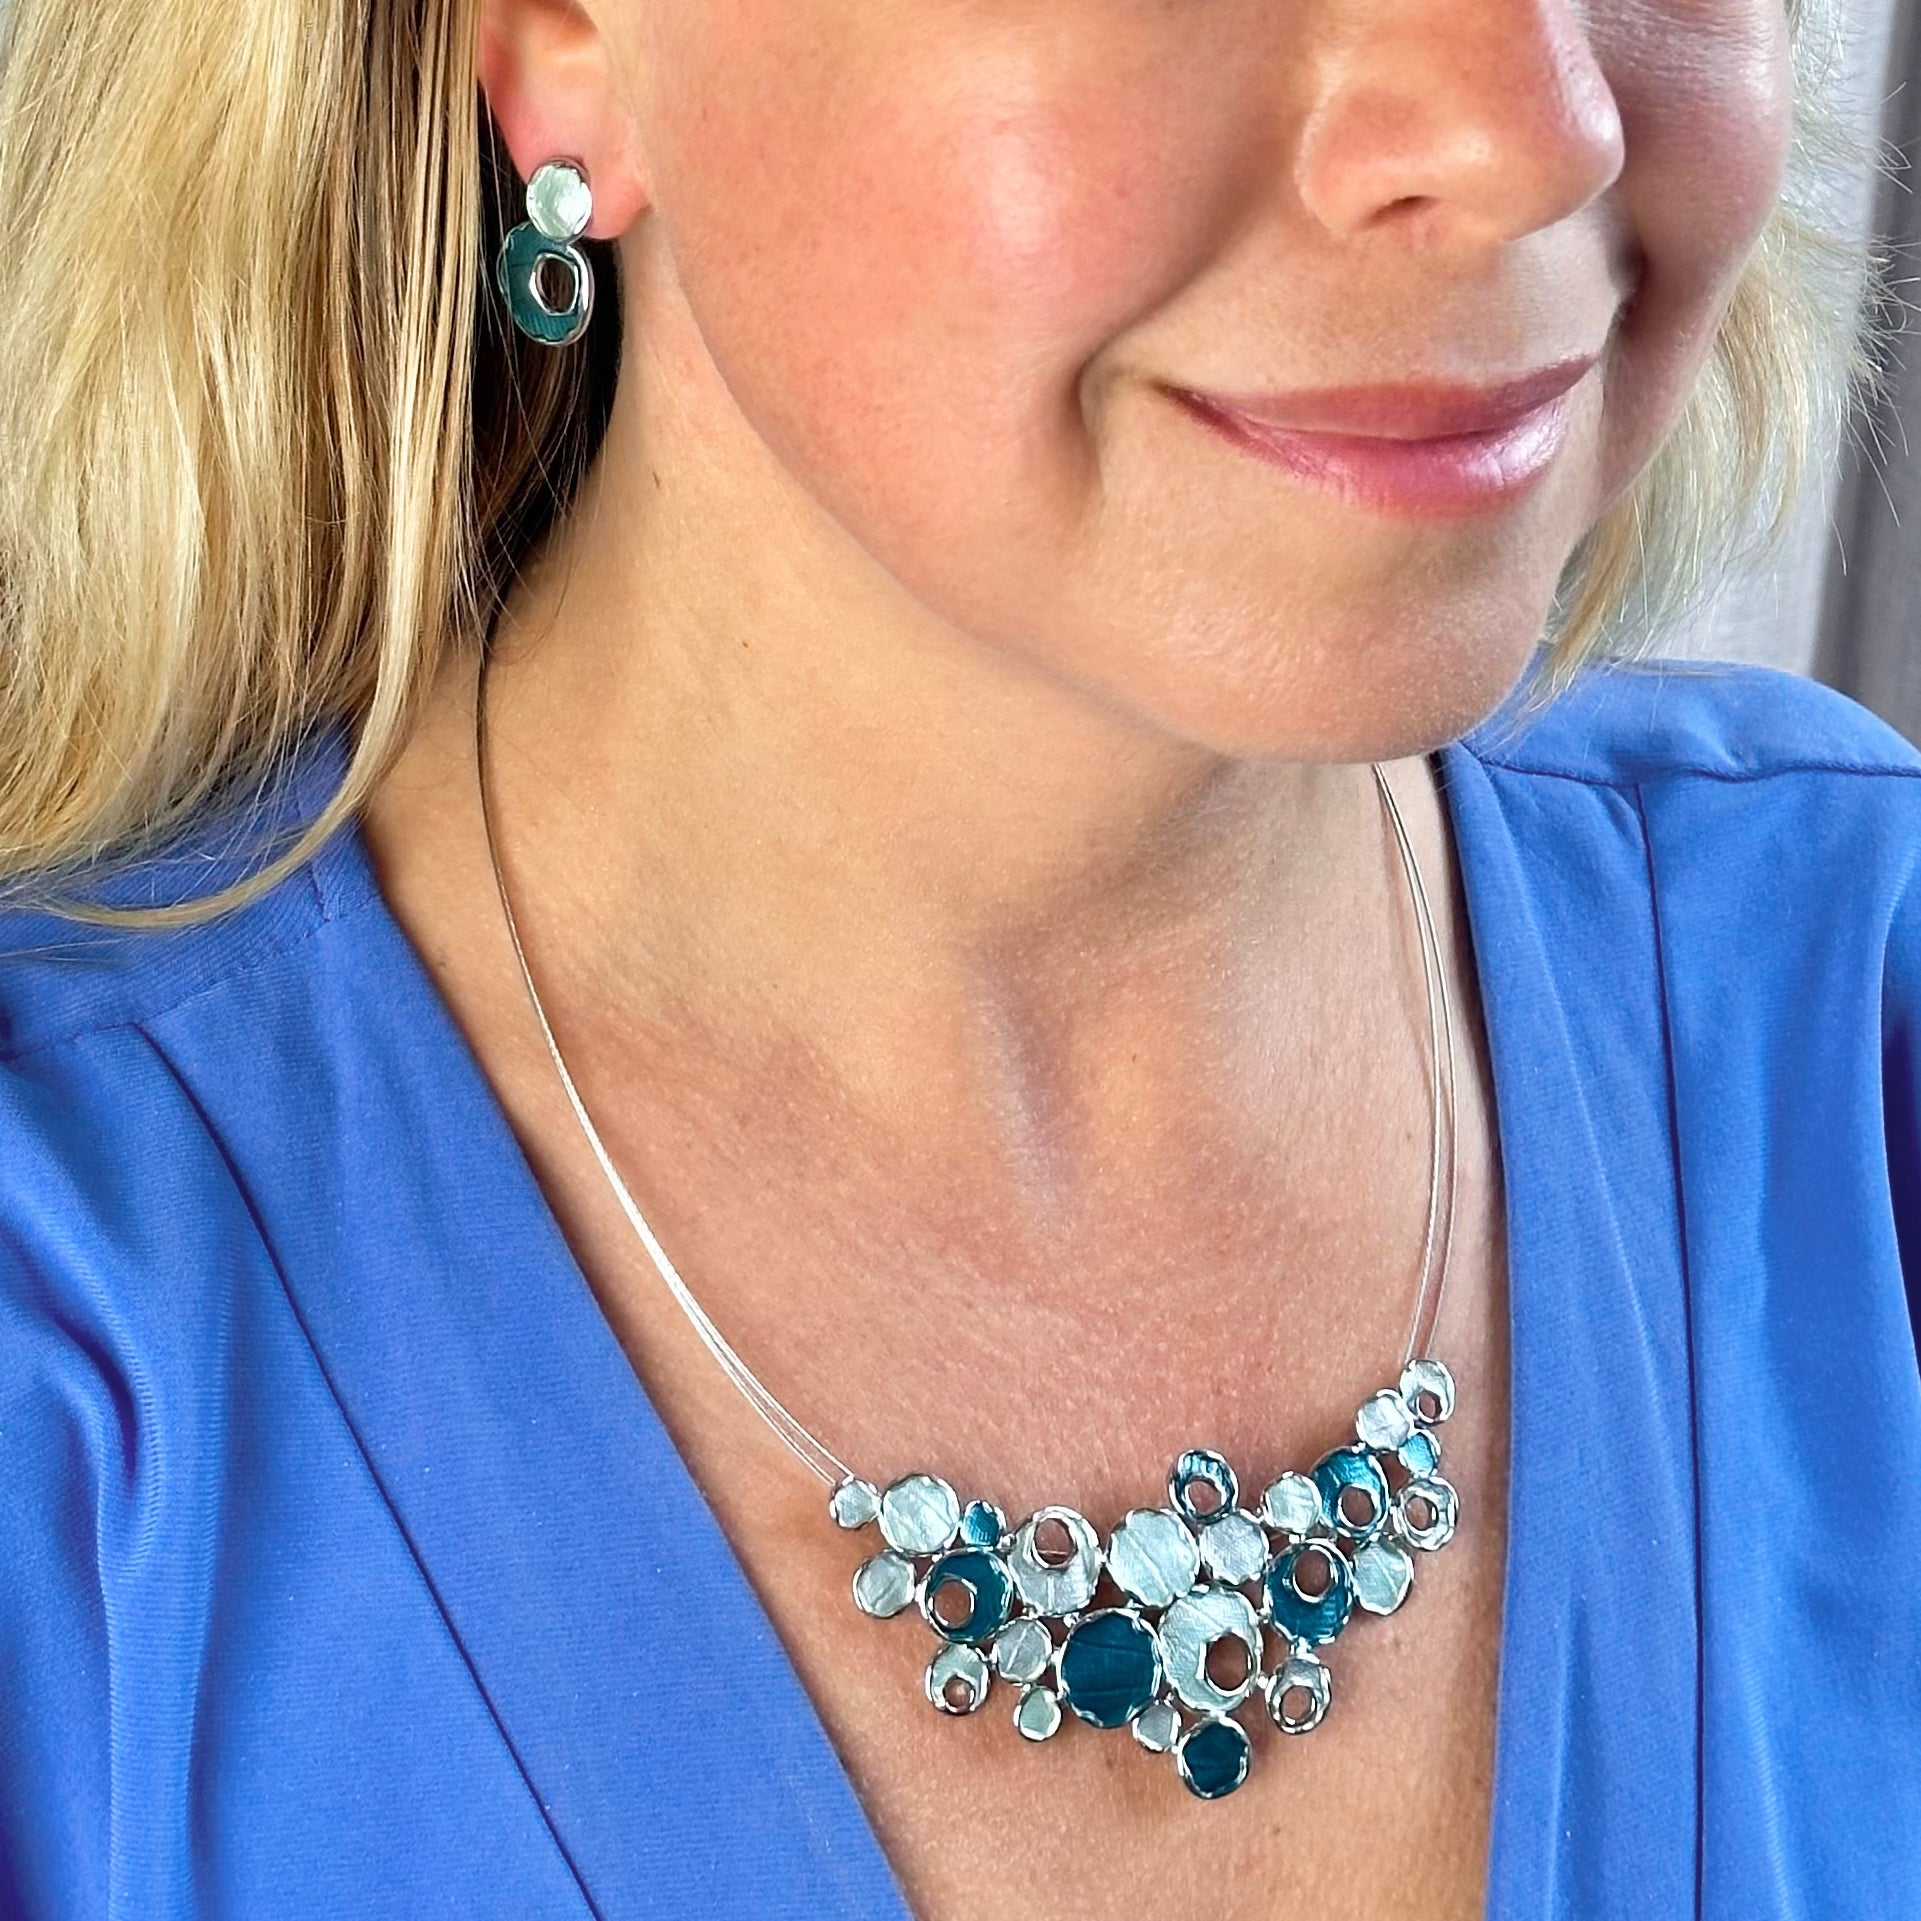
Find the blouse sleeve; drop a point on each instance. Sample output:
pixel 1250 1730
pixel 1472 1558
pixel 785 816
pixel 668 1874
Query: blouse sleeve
pixel 66 1464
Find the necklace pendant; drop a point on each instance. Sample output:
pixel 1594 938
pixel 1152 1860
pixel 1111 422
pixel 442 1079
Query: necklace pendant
pixel 1189 1610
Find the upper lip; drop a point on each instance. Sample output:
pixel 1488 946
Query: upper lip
pixel 1422 410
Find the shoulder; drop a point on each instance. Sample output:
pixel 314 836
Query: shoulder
pixel 112 1183
pixel 117 1045
pixel 124 1227
pixel 1752 806
pixel 1632 723
pixel 134 1279
pixel 63 978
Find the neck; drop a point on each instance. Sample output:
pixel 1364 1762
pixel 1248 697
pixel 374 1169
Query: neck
pixel 746 788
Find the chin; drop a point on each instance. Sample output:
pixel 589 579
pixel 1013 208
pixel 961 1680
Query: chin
pixel 1360 703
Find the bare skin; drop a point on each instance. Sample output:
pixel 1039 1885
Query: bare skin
pixel 932 778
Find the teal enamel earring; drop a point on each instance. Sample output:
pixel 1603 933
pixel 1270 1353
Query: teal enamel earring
pixel 559 205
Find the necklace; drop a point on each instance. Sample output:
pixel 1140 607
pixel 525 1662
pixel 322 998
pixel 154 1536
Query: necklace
pixel 1210 1603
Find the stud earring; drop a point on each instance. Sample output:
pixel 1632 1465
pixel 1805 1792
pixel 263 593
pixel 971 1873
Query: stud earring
pixel 559 205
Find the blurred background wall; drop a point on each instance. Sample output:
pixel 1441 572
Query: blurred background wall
pixel 1864 631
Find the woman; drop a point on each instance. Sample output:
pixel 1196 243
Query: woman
pixel 928 728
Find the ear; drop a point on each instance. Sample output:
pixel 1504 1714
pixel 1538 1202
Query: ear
pixel 552 83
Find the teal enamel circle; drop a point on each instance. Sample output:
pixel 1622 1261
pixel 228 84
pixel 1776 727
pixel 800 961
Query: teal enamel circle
pixel 1213 1757
pixel 1344 1468
pixel 1420 1453
pixel 1310 1618
pixel 1201 1467
pixel 1110 1667
pixel 983 1577
pixel 521 254
pixel 982 1524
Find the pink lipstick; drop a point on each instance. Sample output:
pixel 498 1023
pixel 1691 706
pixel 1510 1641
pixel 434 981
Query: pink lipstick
pixel 1427 451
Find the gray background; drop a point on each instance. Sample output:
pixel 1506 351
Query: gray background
pixel 1853 617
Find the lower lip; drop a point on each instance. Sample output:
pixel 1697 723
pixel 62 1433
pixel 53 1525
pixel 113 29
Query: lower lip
pixel 1428 479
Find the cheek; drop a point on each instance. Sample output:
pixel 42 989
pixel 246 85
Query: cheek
pixel 898 259
pixel 1706 97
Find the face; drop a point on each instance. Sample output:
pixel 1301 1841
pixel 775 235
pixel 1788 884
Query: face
pixel 951 260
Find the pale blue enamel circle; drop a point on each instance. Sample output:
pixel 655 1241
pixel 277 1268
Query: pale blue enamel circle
pixel 919 1514
pixel 1152 1556
pixel 1347 1467
pixel 559 201
pixel 1191 1629
pixel 957 1678
pixel 1110 1667
pixel 1310 1618
pixel 989 1587
pixel 515 267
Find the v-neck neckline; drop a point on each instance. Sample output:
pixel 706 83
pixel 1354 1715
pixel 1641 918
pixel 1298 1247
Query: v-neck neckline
pixel 576 1559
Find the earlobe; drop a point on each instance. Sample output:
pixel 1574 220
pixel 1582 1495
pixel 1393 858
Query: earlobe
pixel 549 78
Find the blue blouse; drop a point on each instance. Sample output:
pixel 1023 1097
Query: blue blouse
pixel 341 1542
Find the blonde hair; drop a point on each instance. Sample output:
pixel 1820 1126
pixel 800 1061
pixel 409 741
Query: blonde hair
pixel 272 447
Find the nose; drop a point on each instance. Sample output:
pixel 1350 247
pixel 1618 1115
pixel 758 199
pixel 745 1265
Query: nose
pixel 1474 121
